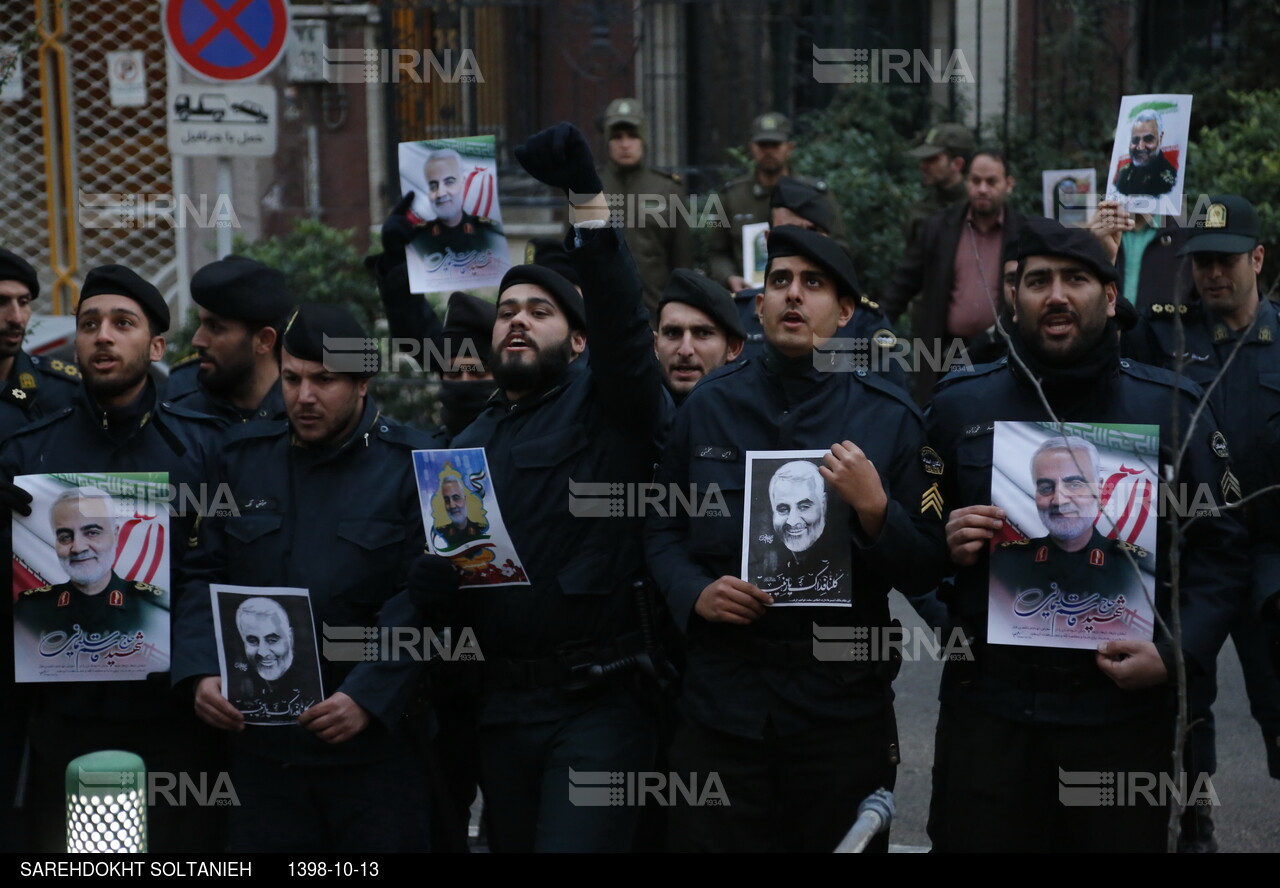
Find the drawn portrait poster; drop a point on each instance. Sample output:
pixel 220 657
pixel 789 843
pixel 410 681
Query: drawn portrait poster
pixel 91 589
pixel 1074 564
pixel 795 533
pixel 1149 157
pixel 267 651
pixel 458 242
pixel 1070 196
pixel 462 520
pixel 755 252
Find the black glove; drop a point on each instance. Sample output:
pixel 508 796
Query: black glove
pixel 398 231
pixel 433 587
pixel 14 498
pixel 560 156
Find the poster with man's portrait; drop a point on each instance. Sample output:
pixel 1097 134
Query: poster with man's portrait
pixel 1070 196
pixel 1075 563
pixel 267 651
pixel 458 242
pixel 755 253
pixel 1149 158
pixel 91 591
pixel 462 519
pixel 795 544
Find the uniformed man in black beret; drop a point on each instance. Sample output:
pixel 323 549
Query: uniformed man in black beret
pixel 796 741
pixel 242 305
pixel 327 502
pixel 466 384
pixel 32 386
pixel 698 331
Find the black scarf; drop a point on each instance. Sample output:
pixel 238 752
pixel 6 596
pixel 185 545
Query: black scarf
pixel 1074 382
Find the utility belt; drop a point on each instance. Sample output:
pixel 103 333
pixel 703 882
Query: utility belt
pixel 575 668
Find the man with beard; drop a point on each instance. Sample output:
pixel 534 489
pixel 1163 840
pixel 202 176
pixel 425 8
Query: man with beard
pixel 657 231
pixel 460 528
pixel 339 476
pixel 242 306
pixel 698 331
pixel 745 201
pixel 94 597
pixel 263 686
pixel 1014 717
pixel 556 691
pixel 119 424
pixel 454 229
pixel 32 386
pixel 1148 170
pixel 796 740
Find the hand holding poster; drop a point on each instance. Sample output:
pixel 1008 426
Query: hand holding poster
pixel 1075 563
pixel 462 520
pixel 795 531
pixel 1148 160
pixel 459 244
pixel 267 652
pixel 91 578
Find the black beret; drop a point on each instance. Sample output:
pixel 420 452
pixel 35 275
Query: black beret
pixel 805 201
pixel 329 334
pixel 549 252
pixel 14 268
pixel 700 292
pixel 242 289
pixel 1046 237
pixel 792 240
pixel 569 299
pixel 471 318
pixel 120 281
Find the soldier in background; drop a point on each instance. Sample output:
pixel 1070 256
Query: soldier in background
pixel 32 386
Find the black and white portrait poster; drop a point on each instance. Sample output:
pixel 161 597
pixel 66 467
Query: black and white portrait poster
pixel 795 534
pixel 91 586
pixel 1074 564
pixel 1149 158
pixel 462 520
pixel 458 243
pixel 267 651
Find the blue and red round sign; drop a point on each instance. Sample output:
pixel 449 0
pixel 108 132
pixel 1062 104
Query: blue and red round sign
pixel 227 40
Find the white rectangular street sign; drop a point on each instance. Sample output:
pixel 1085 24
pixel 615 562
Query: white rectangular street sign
pixel 222 120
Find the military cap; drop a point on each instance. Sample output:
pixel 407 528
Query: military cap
pixel 549 252
pixel 700 292
pixel 120 281
pixel 792 240
pixel 243 289
pixel 805 201
pixel 329 334
pixel 623 112
pixel 951 137
pixel 771 127
pixel 470 318
pixel 1229 225
pixel 569 299
pixel 14 268
pixel 1046 237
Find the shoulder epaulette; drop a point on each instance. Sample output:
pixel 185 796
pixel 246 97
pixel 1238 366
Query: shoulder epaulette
pixel 250 431
pixel 867 303
pixel 980 370
pixel 880 384
pixel 398 433
pixel 187 413
pixel 722 372
pixel 1138 551
pixel 57 368
pixel 147 588
pixel 41 423
pixel 1160 376
pixel 190 362
pixel 38 590
pixel 1007 543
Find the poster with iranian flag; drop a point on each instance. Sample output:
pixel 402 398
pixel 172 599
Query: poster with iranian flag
pixel 91 582
pixel 1074 564
pixel 457 240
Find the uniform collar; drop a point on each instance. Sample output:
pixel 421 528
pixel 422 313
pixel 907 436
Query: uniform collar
pixel 128 418
pixel 23 381
pixel 368 419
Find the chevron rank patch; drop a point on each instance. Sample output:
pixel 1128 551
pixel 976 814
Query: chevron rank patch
pixel 931 500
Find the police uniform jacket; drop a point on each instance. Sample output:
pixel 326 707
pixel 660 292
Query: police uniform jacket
pixel 1046 685
pixel 1246 401
pixel 741 678
pixel 657 231
pixel 36 387
pixel 196 397
pixel 603 422
pixel 149 436
pixel 343 523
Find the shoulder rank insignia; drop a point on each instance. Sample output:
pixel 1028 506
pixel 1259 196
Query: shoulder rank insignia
pixel 1218 442
pixel 1230 487
pixel 931 461
pixel 26 380
pixel 116 598
pixel 931 500
pixel 148 589
pixel 1135 551
pixel 18 393
pixel 1022 542
pixel 884 338
pixel 38 590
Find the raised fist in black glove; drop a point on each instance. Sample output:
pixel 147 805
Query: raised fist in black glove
pixel 433 587
pixel 397 231
pixel 13 498
pixel 560 156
